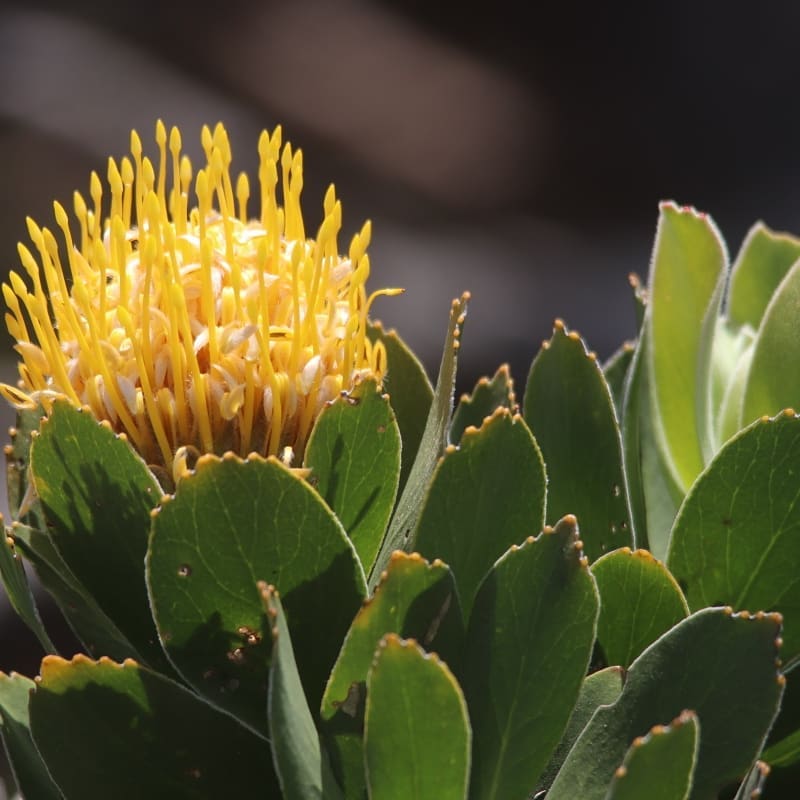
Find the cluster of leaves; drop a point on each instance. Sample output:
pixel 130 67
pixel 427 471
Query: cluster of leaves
pixel 582 598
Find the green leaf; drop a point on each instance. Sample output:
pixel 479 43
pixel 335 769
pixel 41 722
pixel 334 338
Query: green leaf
pixel 771 387
pixel 762 263
pixel 293 735
pixel 411 393
pixel 736 540
pixel 18 590
pixel 598 689
pixel 719 664
pixel 639 600
pixel 97 495
pixel 686 283
pixel 229 525
pixel 640 297
pixel 569 409
pixel 487 396
pixel 434 440
pixel 659 765
pixel 417 734
pixel 122 731
pixel 730 414
pixel 785 752
pixel 415 600
pixel 497 467
pixel 615 371
pixel 22 502
pixel 529 642
pixel 354 456
pixel 31 775
pixel 98 634
pixel 654 495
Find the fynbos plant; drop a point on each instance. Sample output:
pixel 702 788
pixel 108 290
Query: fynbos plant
pixel 289 583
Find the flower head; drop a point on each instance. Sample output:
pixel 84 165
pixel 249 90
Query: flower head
pixel 198 328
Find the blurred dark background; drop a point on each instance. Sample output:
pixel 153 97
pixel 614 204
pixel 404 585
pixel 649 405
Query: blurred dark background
pixel 519 151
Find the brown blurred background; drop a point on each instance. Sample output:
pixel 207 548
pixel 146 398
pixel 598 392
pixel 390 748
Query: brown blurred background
pixel 521 156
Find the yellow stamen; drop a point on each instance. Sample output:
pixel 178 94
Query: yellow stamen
pixel 197 330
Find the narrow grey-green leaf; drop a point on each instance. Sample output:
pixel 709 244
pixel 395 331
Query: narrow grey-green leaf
pixel 148 737
pixel 763 261
pixel 417 732
pixel 659 765
pixel 719 664
pixel 415 600
pixel 410 392
pixel 496 467
pixel 598 689
pixel 487 396
pixel 771 387
pixel 30 773
pixel 736 540
pixel 752 786
pixel 295 743
pixel 686 279
pixel 616 371
pixel 22 503
pixel 639 600
pixel 98 634
pixel 730 414
pixel 434 440
pixel 18 590
pixel 229 525
pixel 569 409
pixel 97 495
pixel 354 456
pixel 529 642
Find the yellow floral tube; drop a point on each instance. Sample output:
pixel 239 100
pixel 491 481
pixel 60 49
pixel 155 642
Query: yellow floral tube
pixel 194 330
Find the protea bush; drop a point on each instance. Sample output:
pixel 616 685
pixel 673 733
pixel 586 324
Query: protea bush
pixel 297 571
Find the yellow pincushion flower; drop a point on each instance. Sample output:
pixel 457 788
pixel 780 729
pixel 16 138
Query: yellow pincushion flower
pixel 198 329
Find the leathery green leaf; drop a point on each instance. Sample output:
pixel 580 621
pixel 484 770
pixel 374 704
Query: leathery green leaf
pixel 98 634
pixel 487 396
pixel 434 440
pixel 639 600
pixel 410 392
pixel 686 283
pixel 736 540
pixel 354 457
pixel 497 466
pixel 753 784
pixel 529 642
pixel 659 765
pixel 616 371
pixel 417 733
pixel 31 775
pixel 18 590
pixel 771 387
pixel 148 736
pixel 296 751
pixel 97 495
pixel 569 409
pixel 735 709
pixel 414 599
pixel 229 525
pixel 598 689
pixel 22 503
pixel 763 261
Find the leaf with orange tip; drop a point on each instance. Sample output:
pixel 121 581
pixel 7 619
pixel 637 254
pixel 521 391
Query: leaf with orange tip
pixel 529 642
pixel 432 445
pixel 354 457
pixel 487 396
pixel 485 495
pixel 639 600
pixel 97 495
pixel 569 409
pixel 417 732
pixel 720 665
pixel 147 736
pixel 660 764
